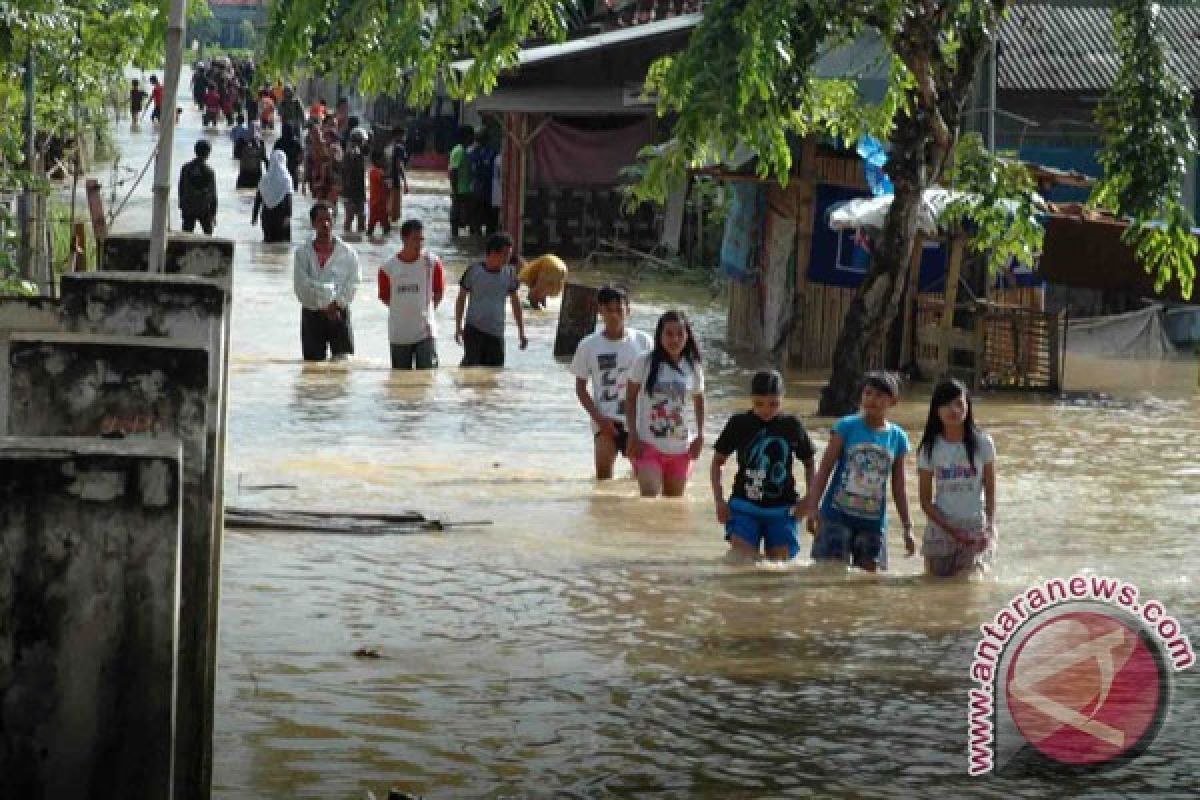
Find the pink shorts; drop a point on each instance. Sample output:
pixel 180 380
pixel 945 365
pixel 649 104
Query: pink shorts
pixel 673 466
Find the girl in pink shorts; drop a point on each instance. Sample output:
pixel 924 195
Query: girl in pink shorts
pixel 661 445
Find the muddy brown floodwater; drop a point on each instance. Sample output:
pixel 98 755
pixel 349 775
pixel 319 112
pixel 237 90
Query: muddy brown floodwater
pixel 592 644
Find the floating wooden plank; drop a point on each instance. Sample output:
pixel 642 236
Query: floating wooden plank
pixel 365 523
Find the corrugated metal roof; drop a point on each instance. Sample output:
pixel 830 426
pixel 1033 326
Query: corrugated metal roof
pixel 1068 46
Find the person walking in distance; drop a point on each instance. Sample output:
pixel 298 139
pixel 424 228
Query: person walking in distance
pixel 198 191
pixel 412 284
pixel 326 275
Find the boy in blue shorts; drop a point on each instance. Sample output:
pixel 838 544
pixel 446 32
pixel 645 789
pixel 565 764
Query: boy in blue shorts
pixel 760 512
pixel 865 449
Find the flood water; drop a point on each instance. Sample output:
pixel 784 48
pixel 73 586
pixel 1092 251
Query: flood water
pixel 588 643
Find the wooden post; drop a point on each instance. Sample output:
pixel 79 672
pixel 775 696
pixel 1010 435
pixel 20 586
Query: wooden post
pixel 953 272
pixel 161 208
pixel 78 248
pixel 576 318
pixel 908 330
pixel 96 210
pixel 806 199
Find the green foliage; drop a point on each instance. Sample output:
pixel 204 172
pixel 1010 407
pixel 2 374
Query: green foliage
pixel 80 50
pixel 1147 144
pixel 997 205
pixel 408 47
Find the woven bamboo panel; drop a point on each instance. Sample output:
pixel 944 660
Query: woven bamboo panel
pixel 815 336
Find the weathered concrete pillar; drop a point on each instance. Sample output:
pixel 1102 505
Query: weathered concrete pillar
pixel 187 254
pixel 576 318
pixel 188 310
pixel 203 257
pixel 68 384
pixel 89 585
pixel 22 314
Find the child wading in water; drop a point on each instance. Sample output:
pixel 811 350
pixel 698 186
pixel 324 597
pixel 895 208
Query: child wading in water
pixel 760 510
pixel 661 446
pixel 605 357
pixel 864 450
pixel 957 472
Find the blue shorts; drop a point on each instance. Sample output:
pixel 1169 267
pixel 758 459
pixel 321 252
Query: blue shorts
pixel 754 524
pixel 857 545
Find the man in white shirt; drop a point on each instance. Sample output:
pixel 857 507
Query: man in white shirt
pixel 411 285
pixel 326 276
pixel 604 358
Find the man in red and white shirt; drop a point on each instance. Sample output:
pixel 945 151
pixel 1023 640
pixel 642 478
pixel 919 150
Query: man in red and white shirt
pixel 412 284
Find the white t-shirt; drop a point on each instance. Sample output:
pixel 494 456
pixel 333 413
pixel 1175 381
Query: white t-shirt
pixel 662 417
pixel 607 362
pixel 957 484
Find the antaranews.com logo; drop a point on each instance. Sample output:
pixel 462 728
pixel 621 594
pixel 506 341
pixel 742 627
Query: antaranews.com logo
pixel 1075 672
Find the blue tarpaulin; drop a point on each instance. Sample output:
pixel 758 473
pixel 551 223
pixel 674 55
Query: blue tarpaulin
pixel 743 226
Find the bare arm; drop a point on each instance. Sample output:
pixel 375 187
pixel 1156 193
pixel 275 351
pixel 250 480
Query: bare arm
pixel 697 445
pixel 900 496
pixel 515 301
pixel 631 415
pixel 714 476
pixel 925 492
pixel 816 489
pixel 588 403
pixel 460 306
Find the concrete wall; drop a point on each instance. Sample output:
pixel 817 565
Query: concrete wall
pixel 22 314
pixel 89 586
pixel 206 257
pixel 65 384
pixel 187 254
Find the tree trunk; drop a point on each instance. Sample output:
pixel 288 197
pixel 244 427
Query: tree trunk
pixel 877 301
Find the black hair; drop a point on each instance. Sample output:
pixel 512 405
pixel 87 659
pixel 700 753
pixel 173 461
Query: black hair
pixel 611 294
pixel 317 207
pixel 947 392
pixel 767 383
pixel 691 350
pixel 409 226
pixel 882 381
pixel 497 242
pixel 202 148
pixel 241 118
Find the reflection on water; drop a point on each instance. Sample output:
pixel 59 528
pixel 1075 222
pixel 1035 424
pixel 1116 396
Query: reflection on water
pixel 590 643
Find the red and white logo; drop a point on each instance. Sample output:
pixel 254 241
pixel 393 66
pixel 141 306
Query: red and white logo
pixel 1085 688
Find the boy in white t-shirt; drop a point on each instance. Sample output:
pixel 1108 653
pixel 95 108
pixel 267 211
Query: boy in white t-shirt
pixel 411 285
pixel 604 358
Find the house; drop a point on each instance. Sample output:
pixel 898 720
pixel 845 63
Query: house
pixel 1055 61
pixel 573 116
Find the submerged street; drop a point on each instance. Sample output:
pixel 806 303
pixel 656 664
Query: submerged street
pixel 586 642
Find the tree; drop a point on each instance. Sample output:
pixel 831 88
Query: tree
pixel 747 77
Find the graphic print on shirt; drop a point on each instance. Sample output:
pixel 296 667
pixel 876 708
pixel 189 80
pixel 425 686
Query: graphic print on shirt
pixel 666 410
pixel 864 477
pixel 611 383
pixel 766 468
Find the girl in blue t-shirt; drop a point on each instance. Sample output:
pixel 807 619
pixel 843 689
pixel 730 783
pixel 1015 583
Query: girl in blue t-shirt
pixel 864 451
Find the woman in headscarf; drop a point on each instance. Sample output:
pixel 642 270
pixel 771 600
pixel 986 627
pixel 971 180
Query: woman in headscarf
pixel 274 200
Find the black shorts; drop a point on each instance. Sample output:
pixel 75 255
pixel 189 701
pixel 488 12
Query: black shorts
pixel 319 333
pixel 206 223
pixel 622 436
pixel 423 354
pixel 482 349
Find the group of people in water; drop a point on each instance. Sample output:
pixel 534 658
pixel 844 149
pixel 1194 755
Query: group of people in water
pixel 636 390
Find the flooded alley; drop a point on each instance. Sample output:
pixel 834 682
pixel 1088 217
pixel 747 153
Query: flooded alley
pixel 588 643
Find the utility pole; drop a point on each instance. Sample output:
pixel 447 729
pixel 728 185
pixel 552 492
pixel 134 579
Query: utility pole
pixel 166 136
pixel 26 206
